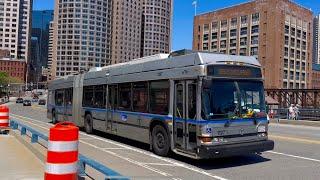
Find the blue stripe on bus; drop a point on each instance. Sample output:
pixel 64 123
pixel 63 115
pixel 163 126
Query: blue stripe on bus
pixel 191 121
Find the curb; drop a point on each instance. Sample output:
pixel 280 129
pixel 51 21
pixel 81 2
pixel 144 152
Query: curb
pixel 296 122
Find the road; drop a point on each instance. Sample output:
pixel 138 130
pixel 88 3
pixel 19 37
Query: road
pixel 296 154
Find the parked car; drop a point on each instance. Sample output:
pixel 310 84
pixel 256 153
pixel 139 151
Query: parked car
pixel 19 100
pixel 42 102
pixel 26 103
pixel 35 99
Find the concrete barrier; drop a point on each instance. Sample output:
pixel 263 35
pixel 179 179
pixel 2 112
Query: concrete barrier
pixel 296 122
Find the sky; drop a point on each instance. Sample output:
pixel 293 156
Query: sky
pixel 184 12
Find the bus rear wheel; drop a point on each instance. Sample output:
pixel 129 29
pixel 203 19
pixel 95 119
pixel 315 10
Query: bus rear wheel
pixel 160 141
pixel 88 124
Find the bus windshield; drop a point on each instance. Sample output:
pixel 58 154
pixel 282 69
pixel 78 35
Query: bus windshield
pixel 229 99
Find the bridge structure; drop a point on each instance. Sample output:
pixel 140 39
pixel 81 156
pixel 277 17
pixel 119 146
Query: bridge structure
pixel 306 98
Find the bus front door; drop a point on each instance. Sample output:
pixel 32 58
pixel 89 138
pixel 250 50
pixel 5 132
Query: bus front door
pixel 111 107
pixel 184 115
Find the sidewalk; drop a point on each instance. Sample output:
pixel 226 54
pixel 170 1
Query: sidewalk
pixel 18 162
pixel 296 122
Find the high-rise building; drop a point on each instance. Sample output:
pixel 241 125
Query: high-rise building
pixel 277 32
pixel 40 29
pixel 126 30
pixel 316 40
pixel 50 51
pixel 156 27
pixel 82 35
pixel 15 28
pixel 101 32
pixel 40 40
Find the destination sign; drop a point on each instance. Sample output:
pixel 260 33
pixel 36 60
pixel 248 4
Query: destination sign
pixel 232 71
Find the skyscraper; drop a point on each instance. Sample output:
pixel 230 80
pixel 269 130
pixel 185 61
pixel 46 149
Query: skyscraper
pixel 50 51
pixel 82 35
pixel 316 40
pixel 156 27
pixel 126 30
pixel 15 22
pixel 277 32
pixel 108 31
pixel 40 41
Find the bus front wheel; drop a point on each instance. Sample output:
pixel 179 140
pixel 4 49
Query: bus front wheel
pixel 88 124
pixel 160 141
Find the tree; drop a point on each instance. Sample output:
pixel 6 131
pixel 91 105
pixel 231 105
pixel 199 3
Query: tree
pixel 4 77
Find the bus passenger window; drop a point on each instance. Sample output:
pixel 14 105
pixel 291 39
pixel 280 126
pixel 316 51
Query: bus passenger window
pixel 88 96
pixel 192 101
pixel 99 97
pixel 140 97
pixel 125 97
pixel 159 97
pixel 59 97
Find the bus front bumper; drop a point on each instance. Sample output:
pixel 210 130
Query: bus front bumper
pixel 219 151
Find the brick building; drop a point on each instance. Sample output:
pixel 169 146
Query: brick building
pixel 14 68
pixel 277 32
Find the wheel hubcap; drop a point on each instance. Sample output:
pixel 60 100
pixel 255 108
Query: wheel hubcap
pixel 160 141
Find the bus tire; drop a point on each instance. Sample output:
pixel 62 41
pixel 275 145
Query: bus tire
pixel 160 141
pixel 54 117
pixel 88 124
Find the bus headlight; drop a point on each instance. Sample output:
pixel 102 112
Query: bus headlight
pixel 262 129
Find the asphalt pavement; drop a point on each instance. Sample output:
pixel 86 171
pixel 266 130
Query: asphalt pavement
pixel 296 154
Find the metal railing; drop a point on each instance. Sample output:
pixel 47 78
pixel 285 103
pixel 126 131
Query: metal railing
pixel 83 160
pixel 304 114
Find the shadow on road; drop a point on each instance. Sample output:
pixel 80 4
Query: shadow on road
pixel 206 164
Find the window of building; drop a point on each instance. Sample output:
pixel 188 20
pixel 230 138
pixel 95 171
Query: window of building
pixel 224 24
pixel 243 41
pixel 159 97
pixel 286 63
pixel 205 37
pixel 291 75
pixel 292 40
pixel 234 21
pixel 291 53
pixel 233 42
pixel 286 40
pixel 285 74
pixel 223 44
pixel 255 17
pixel 233 52
pixel 205 46
pixel 244 19
pixel 286 29
pixel 206 27
pixel 255 29
pixel 243 52
pixel 214 45
pixel 254 40
pixel 254 51
pixel 293 31
pixel 223 34
pixel 214 36
pixel 286 51
pixel 233 32
pixel 291 64
pixel 244 31
pixel 215 25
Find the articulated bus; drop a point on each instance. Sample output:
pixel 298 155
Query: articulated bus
pixel 200 105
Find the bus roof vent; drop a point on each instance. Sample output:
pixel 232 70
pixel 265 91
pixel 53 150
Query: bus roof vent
pixel 151 58
pixel 94 69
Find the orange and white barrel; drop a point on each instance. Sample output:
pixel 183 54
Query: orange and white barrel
pixel 4 116
pixel 62 156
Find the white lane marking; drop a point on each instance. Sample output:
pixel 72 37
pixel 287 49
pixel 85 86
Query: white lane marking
pixel 197 170
pixel 114 148
pixel 129 160
pixel 160 164
pixel 294 156
pixel 114 154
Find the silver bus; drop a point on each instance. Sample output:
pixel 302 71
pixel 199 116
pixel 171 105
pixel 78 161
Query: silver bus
pixel 200 105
